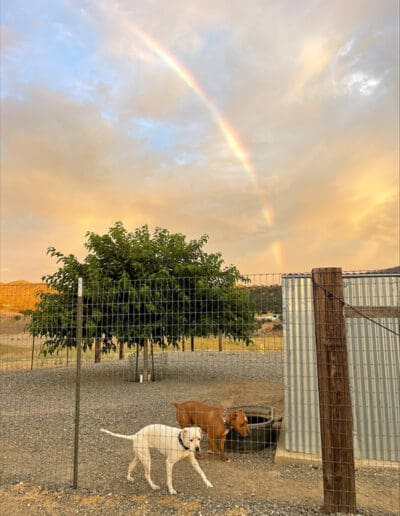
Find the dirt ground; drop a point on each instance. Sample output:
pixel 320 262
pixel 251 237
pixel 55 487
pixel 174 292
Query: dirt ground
pixel 36 472
pixel 298 489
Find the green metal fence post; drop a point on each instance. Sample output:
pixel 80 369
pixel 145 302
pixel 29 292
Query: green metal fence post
pixel 79 321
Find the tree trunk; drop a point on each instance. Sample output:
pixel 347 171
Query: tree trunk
pixel 136 377
pixel 97 351
pixel 153 378
pixel 33 353
pixel 146 361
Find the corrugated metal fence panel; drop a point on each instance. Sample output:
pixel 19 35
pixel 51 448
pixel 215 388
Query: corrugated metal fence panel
pixel 301 386
pixel 374 367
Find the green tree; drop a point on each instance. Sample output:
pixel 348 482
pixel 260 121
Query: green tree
pixel 267 298
pixel 141 287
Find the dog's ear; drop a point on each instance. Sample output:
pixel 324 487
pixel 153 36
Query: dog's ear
pixel 184 433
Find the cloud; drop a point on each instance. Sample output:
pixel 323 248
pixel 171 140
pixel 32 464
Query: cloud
pixel 68 171
pixel 314 57
pixel 116 134
pixel 8 39
pixel 61 159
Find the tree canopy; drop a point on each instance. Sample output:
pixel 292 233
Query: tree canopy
pixel 141 285
pixel 267 298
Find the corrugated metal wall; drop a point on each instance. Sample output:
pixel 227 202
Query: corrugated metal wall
pixel 374 367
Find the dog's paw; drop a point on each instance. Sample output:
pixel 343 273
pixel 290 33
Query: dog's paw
pixel 172 491
pixel 129 478
pixel 209 484
pixel 155 487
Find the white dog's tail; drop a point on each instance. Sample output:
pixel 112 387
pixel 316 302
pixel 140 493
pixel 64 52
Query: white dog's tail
pixel 129 437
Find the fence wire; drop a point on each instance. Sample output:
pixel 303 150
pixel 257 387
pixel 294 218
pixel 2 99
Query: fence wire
pixel 150 345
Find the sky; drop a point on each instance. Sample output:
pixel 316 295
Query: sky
pixel 270 126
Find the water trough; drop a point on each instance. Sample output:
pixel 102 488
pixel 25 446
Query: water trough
pixel 264 430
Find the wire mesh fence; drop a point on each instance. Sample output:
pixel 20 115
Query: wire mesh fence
pixel 148 346
pixel 33 403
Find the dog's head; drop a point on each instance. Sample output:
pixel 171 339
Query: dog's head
pixel 239 422
pixel 191 437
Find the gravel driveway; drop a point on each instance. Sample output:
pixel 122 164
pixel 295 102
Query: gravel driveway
pixel 37 412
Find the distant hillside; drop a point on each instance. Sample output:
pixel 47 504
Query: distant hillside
pixel 18 296
pixel 390 270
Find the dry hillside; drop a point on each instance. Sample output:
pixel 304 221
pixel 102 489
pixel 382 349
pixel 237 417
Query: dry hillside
pixel 18 296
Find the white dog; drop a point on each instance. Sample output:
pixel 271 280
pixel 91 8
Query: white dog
pixel 174 443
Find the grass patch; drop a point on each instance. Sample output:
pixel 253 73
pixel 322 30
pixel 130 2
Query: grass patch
pixel 16 351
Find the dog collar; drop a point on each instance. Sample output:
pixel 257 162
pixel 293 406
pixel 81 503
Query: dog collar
pixel 181 442
pixel 227 427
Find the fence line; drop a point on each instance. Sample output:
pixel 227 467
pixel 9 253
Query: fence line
pixel 243 345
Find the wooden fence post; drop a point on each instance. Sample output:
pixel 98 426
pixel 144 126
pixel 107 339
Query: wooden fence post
pixel 334 392
pixel 220 340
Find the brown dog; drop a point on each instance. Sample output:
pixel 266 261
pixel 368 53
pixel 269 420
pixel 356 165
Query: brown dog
pixel 214 421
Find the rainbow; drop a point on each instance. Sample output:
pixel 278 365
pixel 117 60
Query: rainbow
pixel 232 139
pixel 230 136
